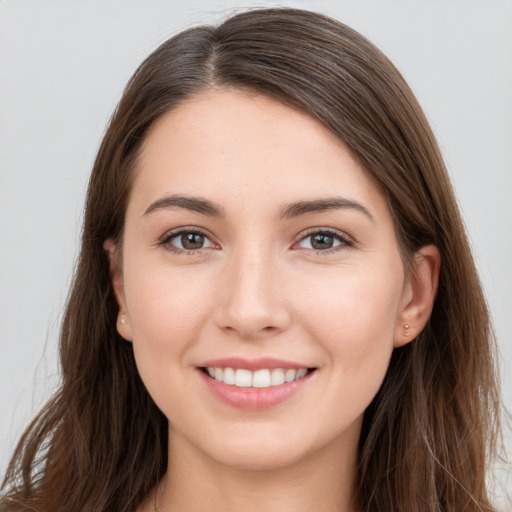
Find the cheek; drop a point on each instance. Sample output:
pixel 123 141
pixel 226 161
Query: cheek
pixel 354 324
pixel 353 317
pixel 354 298
pixel 164 305
pixel 167 311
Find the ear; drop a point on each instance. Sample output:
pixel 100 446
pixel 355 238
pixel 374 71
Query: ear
pixel 419 295
pixel 123 324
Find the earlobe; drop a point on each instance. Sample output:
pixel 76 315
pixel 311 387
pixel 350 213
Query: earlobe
pixel 419 295
pixel 116 278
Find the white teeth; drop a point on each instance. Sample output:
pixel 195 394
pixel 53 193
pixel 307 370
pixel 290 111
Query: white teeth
pixel 229 376
pixel 277 377
pixel 243 378
pixel 219 374
pixel 257 379
pixel 301 373
pixel 290 375
pixel 261 379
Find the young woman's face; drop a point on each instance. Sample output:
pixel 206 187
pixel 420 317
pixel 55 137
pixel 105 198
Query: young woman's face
pixel 257 250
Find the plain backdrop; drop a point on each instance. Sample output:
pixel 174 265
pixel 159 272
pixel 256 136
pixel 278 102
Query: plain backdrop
pixel 63 65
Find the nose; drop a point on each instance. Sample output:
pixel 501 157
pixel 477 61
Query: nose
pixel 252 302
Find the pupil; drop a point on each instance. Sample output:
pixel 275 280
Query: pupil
pixel 322 241
pixel 192 240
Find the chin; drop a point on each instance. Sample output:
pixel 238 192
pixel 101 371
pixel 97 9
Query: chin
pixel 264 449
pixel 255 457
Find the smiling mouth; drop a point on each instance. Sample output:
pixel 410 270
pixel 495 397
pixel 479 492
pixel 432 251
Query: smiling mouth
pixel 264 378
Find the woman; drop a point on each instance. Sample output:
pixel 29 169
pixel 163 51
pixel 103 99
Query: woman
pixel 275 304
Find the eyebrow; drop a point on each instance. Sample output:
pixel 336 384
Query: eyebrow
pixel 296 209
pixel 321 205
pixel 194 204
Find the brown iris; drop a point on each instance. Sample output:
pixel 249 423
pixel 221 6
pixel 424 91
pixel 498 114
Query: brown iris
pixel 322 241
pixel 191 241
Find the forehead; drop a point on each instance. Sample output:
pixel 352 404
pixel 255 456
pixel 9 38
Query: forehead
pixel 235 144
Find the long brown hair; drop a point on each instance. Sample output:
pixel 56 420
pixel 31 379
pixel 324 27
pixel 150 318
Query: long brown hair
pixel 101 443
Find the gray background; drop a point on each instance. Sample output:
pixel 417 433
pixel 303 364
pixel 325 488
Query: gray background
pixel 63 65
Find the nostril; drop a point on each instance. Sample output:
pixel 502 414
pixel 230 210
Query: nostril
pixel 248 330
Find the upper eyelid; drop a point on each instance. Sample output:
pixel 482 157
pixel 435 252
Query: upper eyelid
pixel 165 241
pixel 330 231
pixel 169 235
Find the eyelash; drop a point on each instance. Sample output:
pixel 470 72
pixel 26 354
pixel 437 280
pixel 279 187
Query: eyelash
pixel 166 241
pixel 345 241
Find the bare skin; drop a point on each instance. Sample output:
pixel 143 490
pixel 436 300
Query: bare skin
pixel 253 233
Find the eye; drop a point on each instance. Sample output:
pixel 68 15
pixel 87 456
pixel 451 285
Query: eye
pixel 187 240
pixel 324 240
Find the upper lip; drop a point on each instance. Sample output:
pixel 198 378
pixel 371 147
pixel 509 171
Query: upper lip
pixel 253 364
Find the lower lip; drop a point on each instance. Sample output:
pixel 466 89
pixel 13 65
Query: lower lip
pixel 254 398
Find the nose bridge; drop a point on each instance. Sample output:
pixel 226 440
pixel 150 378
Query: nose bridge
pixel 252 303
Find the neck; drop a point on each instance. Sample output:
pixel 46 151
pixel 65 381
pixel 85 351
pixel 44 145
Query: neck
pixel 322 481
